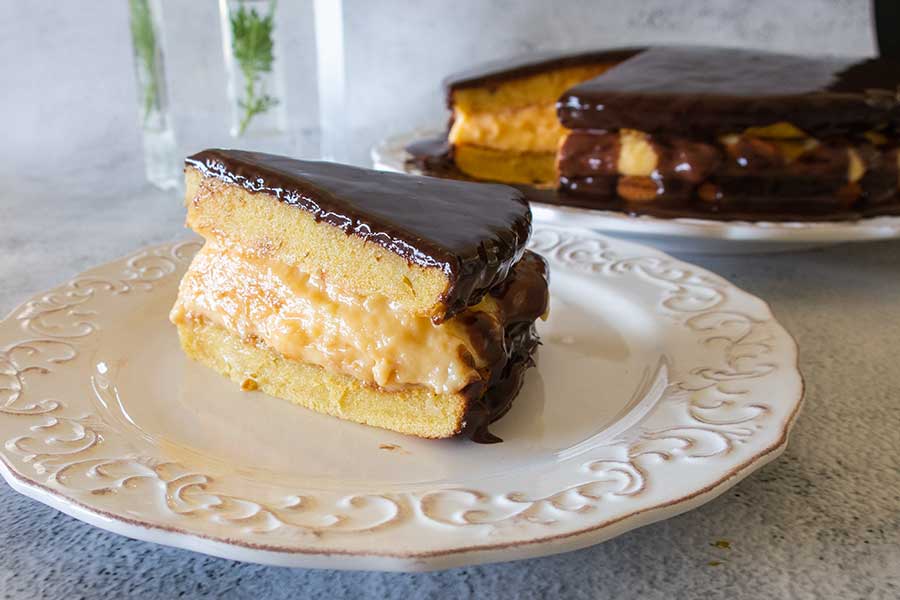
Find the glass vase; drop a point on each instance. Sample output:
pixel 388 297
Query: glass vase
pixel 160 161
pixel 254 68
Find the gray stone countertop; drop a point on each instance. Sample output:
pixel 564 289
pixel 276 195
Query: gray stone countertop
pixel 823 521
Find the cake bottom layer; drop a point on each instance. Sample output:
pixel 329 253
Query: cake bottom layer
pixel 417 411
pixel 506 166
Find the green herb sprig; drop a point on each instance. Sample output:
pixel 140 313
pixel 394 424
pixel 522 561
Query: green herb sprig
pixel 252 44
pixel 144 39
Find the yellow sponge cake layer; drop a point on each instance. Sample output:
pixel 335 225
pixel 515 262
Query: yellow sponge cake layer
pixel 540 88
pixel 269 228
pixel 416 411
pixel 531 168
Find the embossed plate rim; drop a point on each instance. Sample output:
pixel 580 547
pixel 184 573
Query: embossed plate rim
pixel 763 350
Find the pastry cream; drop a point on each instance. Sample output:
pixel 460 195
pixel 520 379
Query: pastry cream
pixel 306 318
pixel 528 129
pixel 637 158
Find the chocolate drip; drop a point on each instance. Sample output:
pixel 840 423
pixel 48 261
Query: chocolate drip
pixel 590 152
pixel 732 203
pixel 747 173
pixel 523 298
pixel 474 233
pixel 710 91
pixel 521 340
pixel 596 154
pixel 688 161
pixel 435 155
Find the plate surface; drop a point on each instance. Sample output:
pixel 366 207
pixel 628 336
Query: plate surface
pixel 658 386
pixel 690 236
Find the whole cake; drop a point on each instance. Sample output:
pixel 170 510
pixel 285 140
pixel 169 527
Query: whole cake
pixel 720 131
pixel 401 302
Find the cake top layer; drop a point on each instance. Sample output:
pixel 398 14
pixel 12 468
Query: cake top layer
pixel 498 71
pixel 704 90
pixel 472 232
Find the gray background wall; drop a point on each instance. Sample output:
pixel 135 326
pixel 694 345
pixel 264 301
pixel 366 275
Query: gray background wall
pixel 68 97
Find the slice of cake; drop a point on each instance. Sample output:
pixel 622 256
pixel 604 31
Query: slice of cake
pixel 504 125
pixel 402 302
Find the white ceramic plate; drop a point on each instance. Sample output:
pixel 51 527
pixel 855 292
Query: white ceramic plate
pixel 658 387
pixel 688 236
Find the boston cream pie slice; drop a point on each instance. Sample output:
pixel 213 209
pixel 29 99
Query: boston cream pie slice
pixel 401 302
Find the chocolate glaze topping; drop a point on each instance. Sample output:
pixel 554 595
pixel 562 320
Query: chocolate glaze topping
pixel 498 71
pixel 748 173
pixel 710 91
pixel 473 233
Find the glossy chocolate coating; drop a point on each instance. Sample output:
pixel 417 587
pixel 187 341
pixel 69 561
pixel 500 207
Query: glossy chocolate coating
pixel 523 297
pixel 748 173
pixel 473 233
pixel 522 341
pixel 498 71
pixel 705 91
pixel 753 202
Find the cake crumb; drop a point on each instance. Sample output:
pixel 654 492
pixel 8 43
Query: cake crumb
pixel 714 563
pixel 249 385
pixel 723 544
pixel 392 448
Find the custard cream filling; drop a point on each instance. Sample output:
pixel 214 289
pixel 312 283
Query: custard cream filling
pixel 305 318
pixel 637 158
pixel 532 128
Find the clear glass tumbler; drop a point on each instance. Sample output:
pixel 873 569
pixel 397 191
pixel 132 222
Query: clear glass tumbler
pixel 254 68
pixel 160 161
